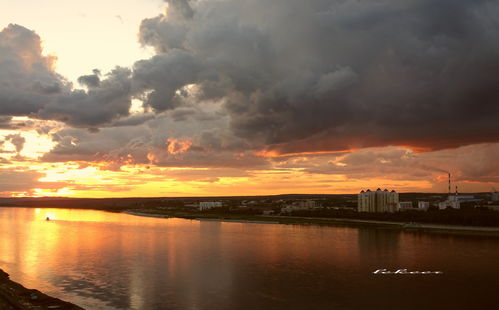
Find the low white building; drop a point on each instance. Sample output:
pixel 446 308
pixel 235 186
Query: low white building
pixel 405 204
pixel 424 205
pixel 291 208
pixel 451 202
pixel 299 206
pixel 205 205
pixel 308 204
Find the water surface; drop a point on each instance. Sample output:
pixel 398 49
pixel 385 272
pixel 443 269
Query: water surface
pixel 102 260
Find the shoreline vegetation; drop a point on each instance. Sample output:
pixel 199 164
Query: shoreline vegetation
pixel 474 217
pixel 14 296
pixel 323 221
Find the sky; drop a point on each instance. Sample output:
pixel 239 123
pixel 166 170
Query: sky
pixel 232 97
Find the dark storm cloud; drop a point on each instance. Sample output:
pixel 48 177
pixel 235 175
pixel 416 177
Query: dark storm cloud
pixel 329 75
pixel 30 87
pixel 106 101
pixel 26 78
pixel 91 80
pixel 180 8
pixel 165 74
pixel 286 76
pixel 133 120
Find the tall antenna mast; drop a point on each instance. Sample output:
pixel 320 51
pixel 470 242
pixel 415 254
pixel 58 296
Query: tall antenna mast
pixel 449 183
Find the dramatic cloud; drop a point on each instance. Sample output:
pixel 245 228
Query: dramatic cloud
pixel 468 164
pixel 22 181
pixel 30 87
pixel 5 122
pixel 163 75
pixel 357 89
pixel 104 101
pixel 14 181
pixel 160 141
pixel 27 80
pixel 320 75
pixel 292 76
pixel 92 80
pixel 17 140
pixel 175 146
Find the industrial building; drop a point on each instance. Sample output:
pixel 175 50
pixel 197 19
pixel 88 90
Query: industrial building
pixel 494 195
pixel 454 200
pixel 378 201
pixel 451 202
pixel 205 205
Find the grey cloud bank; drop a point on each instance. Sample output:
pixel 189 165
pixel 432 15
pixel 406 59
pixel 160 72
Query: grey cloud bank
pixel 299 76
pixel 286 76
pixel 30 87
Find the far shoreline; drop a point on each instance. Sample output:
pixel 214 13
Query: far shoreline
pixel 305 221
pixel 337 222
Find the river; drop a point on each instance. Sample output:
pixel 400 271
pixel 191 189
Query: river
pixel 100 261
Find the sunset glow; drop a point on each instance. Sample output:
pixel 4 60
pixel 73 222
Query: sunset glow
pixel 158 110
pixel 262 154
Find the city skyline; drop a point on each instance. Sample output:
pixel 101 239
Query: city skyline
pixel 221 98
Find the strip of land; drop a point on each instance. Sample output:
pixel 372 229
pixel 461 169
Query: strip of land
pixel 146 214
pixel 323 221
pixel 296 220
pixel 14 296
pixel 334 210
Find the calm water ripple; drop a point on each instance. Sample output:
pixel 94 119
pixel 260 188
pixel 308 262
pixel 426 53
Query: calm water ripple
pixel 102 260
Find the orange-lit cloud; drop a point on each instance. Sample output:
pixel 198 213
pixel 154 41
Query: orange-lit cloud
pixel 121 174
pixel 223 106
pixel 175 146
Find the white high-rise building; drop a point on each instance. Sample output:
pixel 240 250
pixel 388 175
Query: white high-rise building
pixel 378 201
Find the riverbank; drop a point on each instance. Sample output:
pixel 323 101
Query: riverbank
pixel 146 214
pixel 413 226
pixel 14 296
pixel 236 221
pixel 322 221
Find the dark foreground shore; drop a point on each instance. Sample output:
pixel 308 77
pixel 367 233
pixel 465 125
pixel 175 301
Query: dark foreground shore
pixel 14 296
